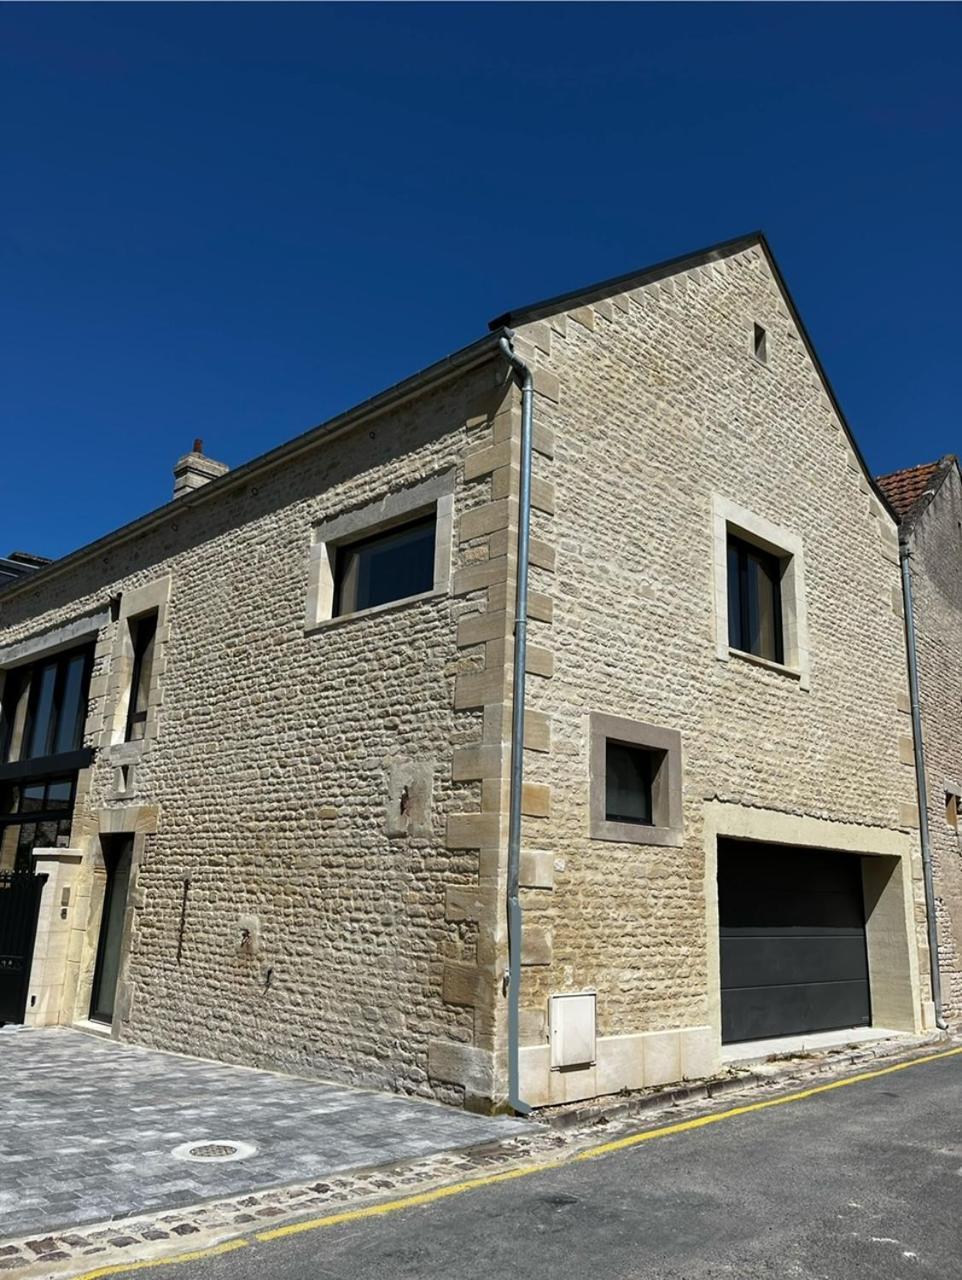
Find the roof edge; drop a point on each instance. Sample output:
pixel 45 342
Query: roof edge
pixel 685 262
pixel 820 369
pixel 631 279
pixel 460 361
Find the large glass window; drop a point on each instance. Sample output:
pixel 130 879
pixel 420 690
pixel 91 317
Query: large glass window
pixel 45 706
pixel 389 566
pixel 754 600
pixel 34 815
pixel 143 635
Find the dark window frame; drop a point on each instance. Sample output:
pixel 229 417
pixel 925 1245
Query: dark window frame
pixel 31 674
pixel 648 774
pixel 743 626
pixel 20 817
pixel 343 551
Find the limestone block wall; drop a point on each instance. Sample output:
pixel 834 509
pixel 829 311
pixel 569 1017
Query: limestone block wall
pixel 324 802
pixel 657 409
pixel 936 547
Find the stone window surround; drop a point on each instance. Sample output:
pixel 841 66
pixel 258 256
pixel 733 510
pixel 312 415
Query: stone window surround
pixel 666 789
pixel 887 869
pixel 730 517
pixel 48 643
pixel 397 507
pixel 153 597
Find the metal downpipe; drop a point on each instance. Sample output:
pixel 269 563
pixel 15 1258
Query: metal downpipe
pixel 921 785
pixel 517 728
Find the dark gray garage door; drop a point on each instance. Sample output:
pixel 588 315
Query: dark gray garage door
pixel 792 926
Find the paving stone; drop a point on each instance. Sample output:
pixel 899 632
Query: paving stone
pixel 97 1122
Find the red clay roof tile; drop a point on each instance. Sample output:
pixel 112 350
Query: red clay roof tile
pixel 904 488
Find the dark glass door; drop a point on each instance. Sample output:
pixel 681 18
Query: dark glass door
pixel 117 856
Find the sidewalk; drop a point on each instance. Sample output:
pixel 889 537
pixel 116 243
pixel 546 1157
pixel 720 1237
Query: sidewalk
pixel 91 1130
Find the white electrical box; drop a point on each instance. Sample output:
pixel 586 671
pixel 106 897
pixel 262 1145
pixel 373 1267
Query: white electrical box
pixel 571 1025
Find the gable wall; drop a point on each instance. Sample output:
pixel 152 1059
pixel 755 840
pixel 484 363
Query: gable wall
pixel 657 406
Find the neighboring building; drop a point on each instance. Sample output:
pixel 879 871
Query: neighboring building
pixel 288 803
pixel 928 501
pixel 17 565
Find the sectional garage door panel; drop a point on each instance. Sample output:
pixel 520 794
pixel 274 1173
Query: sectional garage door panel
pixel 792 940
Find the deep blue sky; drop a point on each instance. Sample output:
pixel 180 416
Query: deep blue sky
pixel 233 221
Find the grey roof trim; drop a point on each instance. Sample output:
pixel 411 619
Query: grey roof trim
pixel 458 362
pixel 685 262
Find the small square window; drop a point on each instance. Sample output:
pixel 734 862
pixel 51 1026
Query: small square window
pixel 391 565
pixel 754 600
pixel 635 790
pixel 760 343
pixel 629 773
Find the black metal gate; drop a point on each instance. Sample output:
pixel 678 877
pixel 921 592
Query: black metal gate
pixel 19 904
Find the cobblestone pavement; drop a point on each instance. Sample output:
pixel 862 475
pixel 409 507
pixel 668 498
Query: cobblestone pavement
pixel 89 1126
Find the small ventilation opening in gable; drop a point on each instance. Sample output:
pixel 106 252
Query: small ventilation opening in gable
pixel 760 343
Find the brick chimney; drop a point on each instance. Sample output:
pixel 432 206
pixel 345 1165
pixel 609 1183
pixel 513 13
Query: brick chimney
pixel 195 469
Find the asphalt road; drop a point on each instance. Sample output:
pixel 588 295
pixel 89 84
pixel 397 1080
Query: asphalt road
pixel 861 1182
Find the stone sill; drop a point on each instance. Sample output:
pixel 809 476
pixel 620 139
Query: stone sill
pixel 434 594
pixel 793 673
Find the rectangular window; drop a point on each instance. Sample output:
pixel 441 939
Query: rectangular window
pixel 34 815
pixel 754 600
pixel 635 782
pixel 392 565
pixel 45 706
pixel 760 344
pixel 143 634
pixel 628 777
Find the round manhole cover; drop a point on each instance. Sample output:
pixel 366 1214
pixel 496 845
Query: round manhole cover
pixel 218 1152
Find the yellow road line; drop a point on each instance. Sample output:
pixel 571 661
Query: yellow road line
pixel 525 1171
pixel 683 1126
pixel 195 1255
pixel 619 1144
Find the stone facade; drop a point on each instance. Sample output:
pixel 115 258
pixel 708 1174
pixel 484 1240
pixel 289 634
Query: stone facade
pixel 319 805
pixel 932 528
pixel 658 411
pixel 281 912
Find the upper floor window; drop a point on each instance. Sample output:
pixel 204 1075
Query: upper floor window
pixel 390 551
pixel 45 705
pixel 143 635
pixel 759 589
pixel 391 565
pixel 754 600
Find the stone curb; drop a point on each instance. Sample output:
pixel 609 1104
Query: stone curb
pixel 773 1069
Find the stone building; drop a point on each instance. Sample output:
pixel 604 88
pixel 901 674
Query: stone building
pixel 928 501
pixel 259 740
